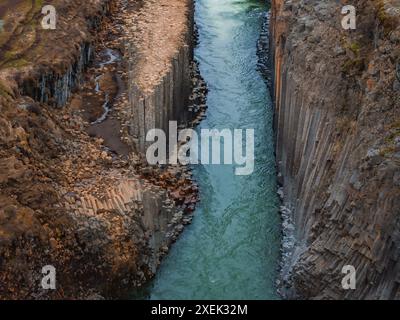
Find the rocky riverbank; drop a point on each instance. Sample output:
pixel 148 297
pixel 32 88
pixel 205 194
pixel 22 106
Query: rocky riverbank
pixel 75 191
pixel 338 146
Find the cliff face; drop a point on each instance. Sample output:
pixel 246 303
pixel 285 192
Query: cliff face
pixel 337 96
pixel 74 193
pixel 159 90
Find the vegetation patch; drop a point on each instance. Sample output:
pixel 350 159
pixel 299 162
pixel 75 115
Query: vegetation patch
pixel 5 92
pixel 353 66
pixel 390 140
pixel 389 22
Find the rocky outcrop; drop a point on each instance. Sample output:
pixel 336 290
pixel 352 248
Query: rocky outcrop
pixel 337 100
pixel 69 197
pixel 40 63
pixel 159 90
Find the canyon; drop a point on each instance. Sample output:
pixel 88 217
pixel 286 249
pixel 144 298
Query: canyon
pixel 77 193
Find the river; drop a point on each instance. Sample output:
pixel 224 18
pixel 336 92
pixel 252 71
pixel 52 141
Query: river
pixel 231 251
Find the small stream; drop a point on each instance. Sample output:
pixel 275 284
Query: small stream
pixel 111 57
pixel 231 251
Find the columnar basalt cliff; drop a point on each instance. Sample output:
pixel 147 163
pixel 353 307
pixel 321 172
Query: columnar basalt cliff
pixel 337 96
pixel 159 91
pixel 74 191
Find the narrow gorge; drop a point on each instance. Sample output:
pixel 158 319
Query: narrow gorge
pixel 231 250
pixel 77 192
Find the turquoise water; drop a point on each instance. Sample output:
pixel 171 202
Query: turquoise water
pixel 231 250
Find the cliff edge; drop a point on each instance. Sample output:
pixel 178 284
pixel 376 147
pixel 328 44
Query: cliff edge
pixel 337 100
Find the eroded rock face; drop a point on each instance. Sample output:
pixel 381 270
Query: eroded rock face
pixel 101 217
pixel 338 127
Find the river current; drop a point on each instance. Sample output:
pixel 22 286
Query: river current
pixel 231 251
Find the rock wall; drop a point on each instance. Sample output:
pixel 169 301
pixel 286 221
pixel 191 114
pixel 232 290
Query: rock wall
pixel 49 69
pixel 168 101
pixel 159 92
pixel 337 102
pixel 56 87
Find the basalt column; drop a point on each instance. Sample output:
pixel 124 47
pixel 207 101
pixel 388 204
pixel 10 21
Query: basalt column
pixel 162 97
pixel 337 122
